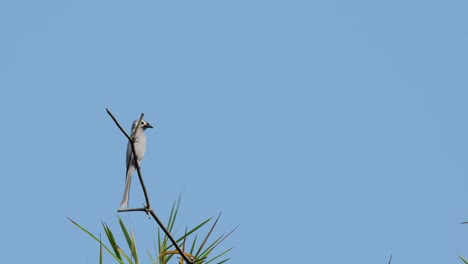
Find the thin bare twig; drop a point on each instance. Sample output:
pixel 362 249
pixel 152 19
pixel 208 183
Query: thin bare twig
pixel 148 208
pixel 118 125
pixel 143 209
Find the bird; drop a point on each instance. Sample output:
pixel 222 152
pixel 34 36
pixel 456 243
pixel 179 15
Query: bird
pixel 139 138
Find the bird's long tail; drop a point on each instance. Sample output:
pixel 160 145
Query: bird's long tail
pixel 128 181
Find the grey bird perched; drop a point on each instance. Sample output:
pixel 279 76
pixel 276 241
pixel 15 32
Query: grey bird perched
pixel 140 146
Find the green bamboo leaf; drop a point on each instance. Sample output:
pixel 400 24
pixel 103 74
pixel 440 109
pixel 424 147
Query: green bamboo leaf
pixel 193 244
pixel 100 249
pixel 464 260
pixel 159 240
pixel 171 215
pixel 224 261
pixel 165 238
pixel 161 247
pixel 174 212
pixel 209 249
pixel 165 247
pixel 171 221
pixel 183 243
pixel 150 257
pixel 211 246
pixel 207 235
pixel 111 239
pixel 206 253
pixel 234 229
pixel 220 255
pixel 129 260
pixel 97 239
pixel 163 258
pixel 124 230
pixel 154 246
pixel 134 248
pixel 215 243
pixel 194 229
pixel 130 239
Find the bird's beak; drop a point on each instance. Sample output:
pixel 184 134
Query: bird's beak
pixel 148 125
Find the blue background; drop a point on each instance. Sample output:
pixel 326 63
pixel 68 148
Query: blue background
pixel 331 131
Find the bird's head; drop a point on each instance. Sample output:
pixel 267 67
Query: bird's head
pixel 143 124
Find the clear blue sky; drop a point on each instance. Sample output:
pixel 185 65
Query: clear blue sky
pixel 332 128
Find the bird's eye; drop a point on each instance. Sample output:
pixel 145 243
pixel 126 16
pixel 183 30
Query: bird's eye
pixel 142 122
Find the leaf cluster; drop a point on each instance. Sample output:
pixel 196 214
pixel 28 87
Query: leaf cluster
pixel 194 250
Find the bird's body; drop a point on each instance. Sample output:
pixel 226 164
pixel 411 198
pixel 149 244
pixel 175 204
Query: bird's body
pixel 140 147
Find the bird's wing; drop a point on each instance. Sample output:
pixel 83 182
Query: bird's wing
pixel 129 157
